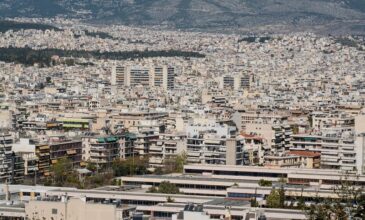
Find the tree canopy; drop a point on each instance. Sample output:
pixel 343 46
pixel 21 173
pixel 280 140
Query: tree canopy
pixel 166 188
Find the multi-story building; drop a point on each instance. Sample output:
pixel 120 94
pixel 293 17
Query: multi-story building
pixel 147 133
pixel 163 77
pixel 60 147
pixel 360 143
pixel 254 149
pixel 166 146
pixel 118 76
pixel 341 144
pixel 75 123
pixel 6 142
pixel 127 150
pixel 139 75
pixel 209 142
pixel 26 148
pixel 322 120
pixel 42 153
pixel 156 76
pixel 308 142
pixel 290 160
pixel 132 118
pixel 338 149
pixel 101 150
pixel 238 82
pixel 273 128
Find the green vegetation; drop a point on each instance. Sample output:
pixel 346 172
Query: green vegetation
pixel 254 202
pixel 130 166
pixel 276 198
pixel 165 188
pixel 350 203
pixel 173 164
pixel 263 182
pixel 63 174
pixel 16 26
pixel 28 56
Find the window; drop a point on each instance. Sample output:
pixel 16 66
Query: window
pixel 54 211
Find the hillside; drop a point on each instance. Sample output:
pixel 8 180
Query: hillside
pixel 242 15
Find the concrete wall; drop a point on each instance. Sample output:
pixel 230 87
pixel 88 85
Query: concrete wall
pixel 73 209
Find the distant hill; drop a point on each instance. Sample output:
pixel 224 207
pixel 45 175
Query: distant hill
pixel 332 16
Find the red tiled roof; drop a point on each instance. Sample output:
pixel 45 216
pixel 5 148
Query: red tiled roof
pixel 305 153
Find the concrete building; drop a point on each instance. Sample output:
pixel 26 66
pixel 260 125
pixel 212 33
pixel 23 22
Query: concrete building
pixel 61 147
pixel 360 143
pixel 119 76
pixel 102 150
pixel 236 83
pixel 6 141
pixel 156 76
pixel 163 77
pixel 165 147
pixel 210 142
pixel 73 209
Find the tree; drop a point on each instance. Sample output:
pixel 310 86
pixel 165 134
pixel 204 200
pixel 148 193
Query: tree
pixel 181 160
pixel 282 196
pixel 263 182
pixel 61 170
pixel 165 187
pixel 350 202
pixel 169 199
pixel 254 202
pixel 273 199
pixel 130 166
pixel 91 166
pixel 173 164
pixel 168 188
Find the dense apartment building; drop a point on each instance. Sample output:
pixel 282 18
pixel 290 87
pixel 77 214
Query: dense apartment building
pixel 166 146
pixel 6 141
pixel 130 118
pixel 74 123
pixel 210 142
pixel 340 143
pixel 237 82
pixel 322 120
pixel 118 76
pixel 61 147
pixel 127 149
pixel 156 76
pixel 360 143
pixel 273 128
pixel 102 150
pixel 254 149
pixel 43 156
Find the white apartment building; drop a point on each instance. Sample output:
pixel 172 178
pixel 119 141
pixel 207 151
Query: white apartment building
pixel 156 76
pixel 341 146
pixel 209 142
pixel 166 146
pixel 26 148
pixel 102 150
pixel 273 128
pixel 238 82
pixel 332 119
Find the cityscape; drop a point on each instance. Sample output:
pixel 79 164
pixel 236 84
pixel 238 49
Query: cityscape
pixel 120 121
